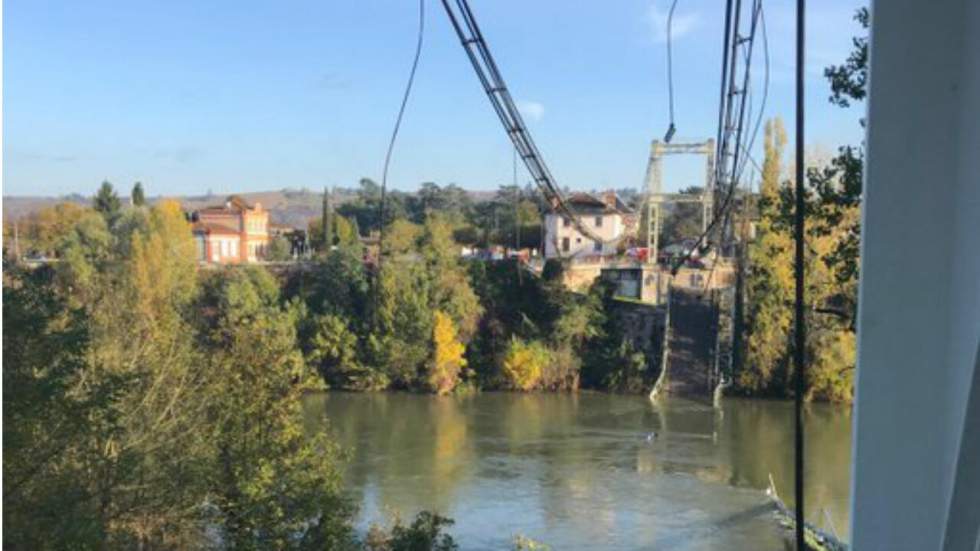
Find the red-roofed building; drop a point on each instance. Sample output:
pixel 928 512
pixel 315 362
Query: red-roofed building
pixel 232 233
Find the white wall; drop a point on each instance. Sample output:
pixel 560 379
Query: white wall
pixel 580 245
pixel 919 318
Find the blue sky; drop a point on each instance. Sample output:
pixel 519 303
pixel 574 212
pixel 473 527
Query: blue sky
pixel 189 96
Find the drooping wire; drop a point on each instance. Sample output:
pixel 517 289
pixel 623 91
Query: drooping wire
pixel 391 142
pixel 670 75
pixel 398 123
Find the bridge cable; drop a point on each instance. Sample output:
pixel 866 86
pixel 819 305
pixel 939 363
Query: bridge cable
pixel 474 44
pixel 670 75
pixel 729 124
pixel 391 144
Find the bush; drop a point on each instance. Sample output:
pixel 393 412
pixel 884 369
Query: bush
pixel 424 534
pixel 525 363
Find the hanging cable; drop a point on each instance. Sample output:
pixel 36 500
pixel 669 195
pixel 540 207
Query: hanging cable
pixel 394 134
pixel 799 322
pixel 765 92
pixel 670 75
pixel 731 116
pixel 475 45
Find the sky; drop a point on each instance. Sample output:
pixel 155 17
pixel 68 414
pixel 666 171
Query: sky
pixel 236 96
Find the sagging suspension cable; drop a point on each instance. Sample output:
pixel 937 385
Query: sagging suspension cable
pixel 468 31
pixel 391 145
pixel 670 75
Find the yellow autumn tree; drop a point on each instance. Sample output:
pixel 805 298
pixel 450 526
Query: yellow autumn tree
pixel 525 363
pixel 447 355
pixel 769 283
pixel 163 266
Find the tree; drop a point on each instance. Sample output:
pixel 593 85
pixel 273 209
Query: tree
pixel 48 423
pixel 46 229
pixel 334 352
pixel 450 291
pixel 769 283
pixel 326 221
pixel 272 485
pixel 838 187
pixel 447 356
pixel 107 203
pixel 279 250
pixel 682 220
pixel 343 231
pixel 138 198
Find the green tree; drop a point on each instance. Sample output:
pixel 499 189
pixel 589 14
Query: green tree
pixel 107 203
pixel 279 250
pixel 138 197
pixel 272 485
pixel 334 352
pixel 48 423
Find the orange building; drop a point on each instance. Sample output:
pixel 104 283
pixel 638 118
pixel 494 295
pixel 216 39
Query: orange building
pixel 232 233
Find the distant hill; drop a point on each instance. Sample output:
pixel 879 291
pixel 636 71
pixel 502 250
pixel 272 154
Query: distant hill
pixel 292 207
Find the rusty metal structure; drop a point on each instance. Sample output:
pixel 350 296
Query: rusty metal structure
pixel 656 198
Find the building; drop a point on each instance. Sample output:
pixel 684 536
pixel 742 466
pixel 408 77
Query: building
pixel 606 216
pixel 233 233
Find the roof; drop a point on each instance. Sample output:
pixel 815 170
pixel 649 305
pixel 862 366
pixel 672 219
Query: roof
pixel 587 203
pixel 209 227
pixel 233 205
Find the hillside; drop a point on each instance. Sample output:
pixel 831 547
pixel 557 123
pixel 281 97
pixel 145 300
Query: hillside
pixel 292 207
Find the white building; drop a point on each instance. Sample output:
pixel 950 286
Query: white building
pixel 607 217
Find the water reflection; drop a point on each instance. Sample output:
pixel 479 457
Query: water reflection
pixel 584 470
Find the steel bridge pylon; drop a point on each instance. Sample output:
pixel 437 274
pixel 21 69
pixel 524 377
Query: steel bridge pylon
pixel 656 198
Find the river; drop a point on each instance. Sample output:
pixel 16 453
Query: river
pixel 588 470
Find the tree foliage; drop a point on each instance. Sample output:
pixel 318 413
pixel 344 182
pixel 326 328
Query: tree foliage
pixel 447 355
pixel 138 197
pixel 525 363
pixel 107 203
pixel 833 195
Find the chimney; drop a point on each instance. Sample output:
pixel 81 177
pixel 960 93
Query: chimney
pixel 609 198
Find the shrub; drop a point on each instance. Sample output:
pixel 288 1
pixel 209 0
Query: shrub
pixel 525 363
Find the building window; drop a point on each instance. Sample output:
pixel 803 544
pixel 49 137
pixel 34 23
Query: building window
pixel 578 240
pixel 565 244
pixel 598 221
pixel 234 248
pixel 597 246
pixel 566 222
